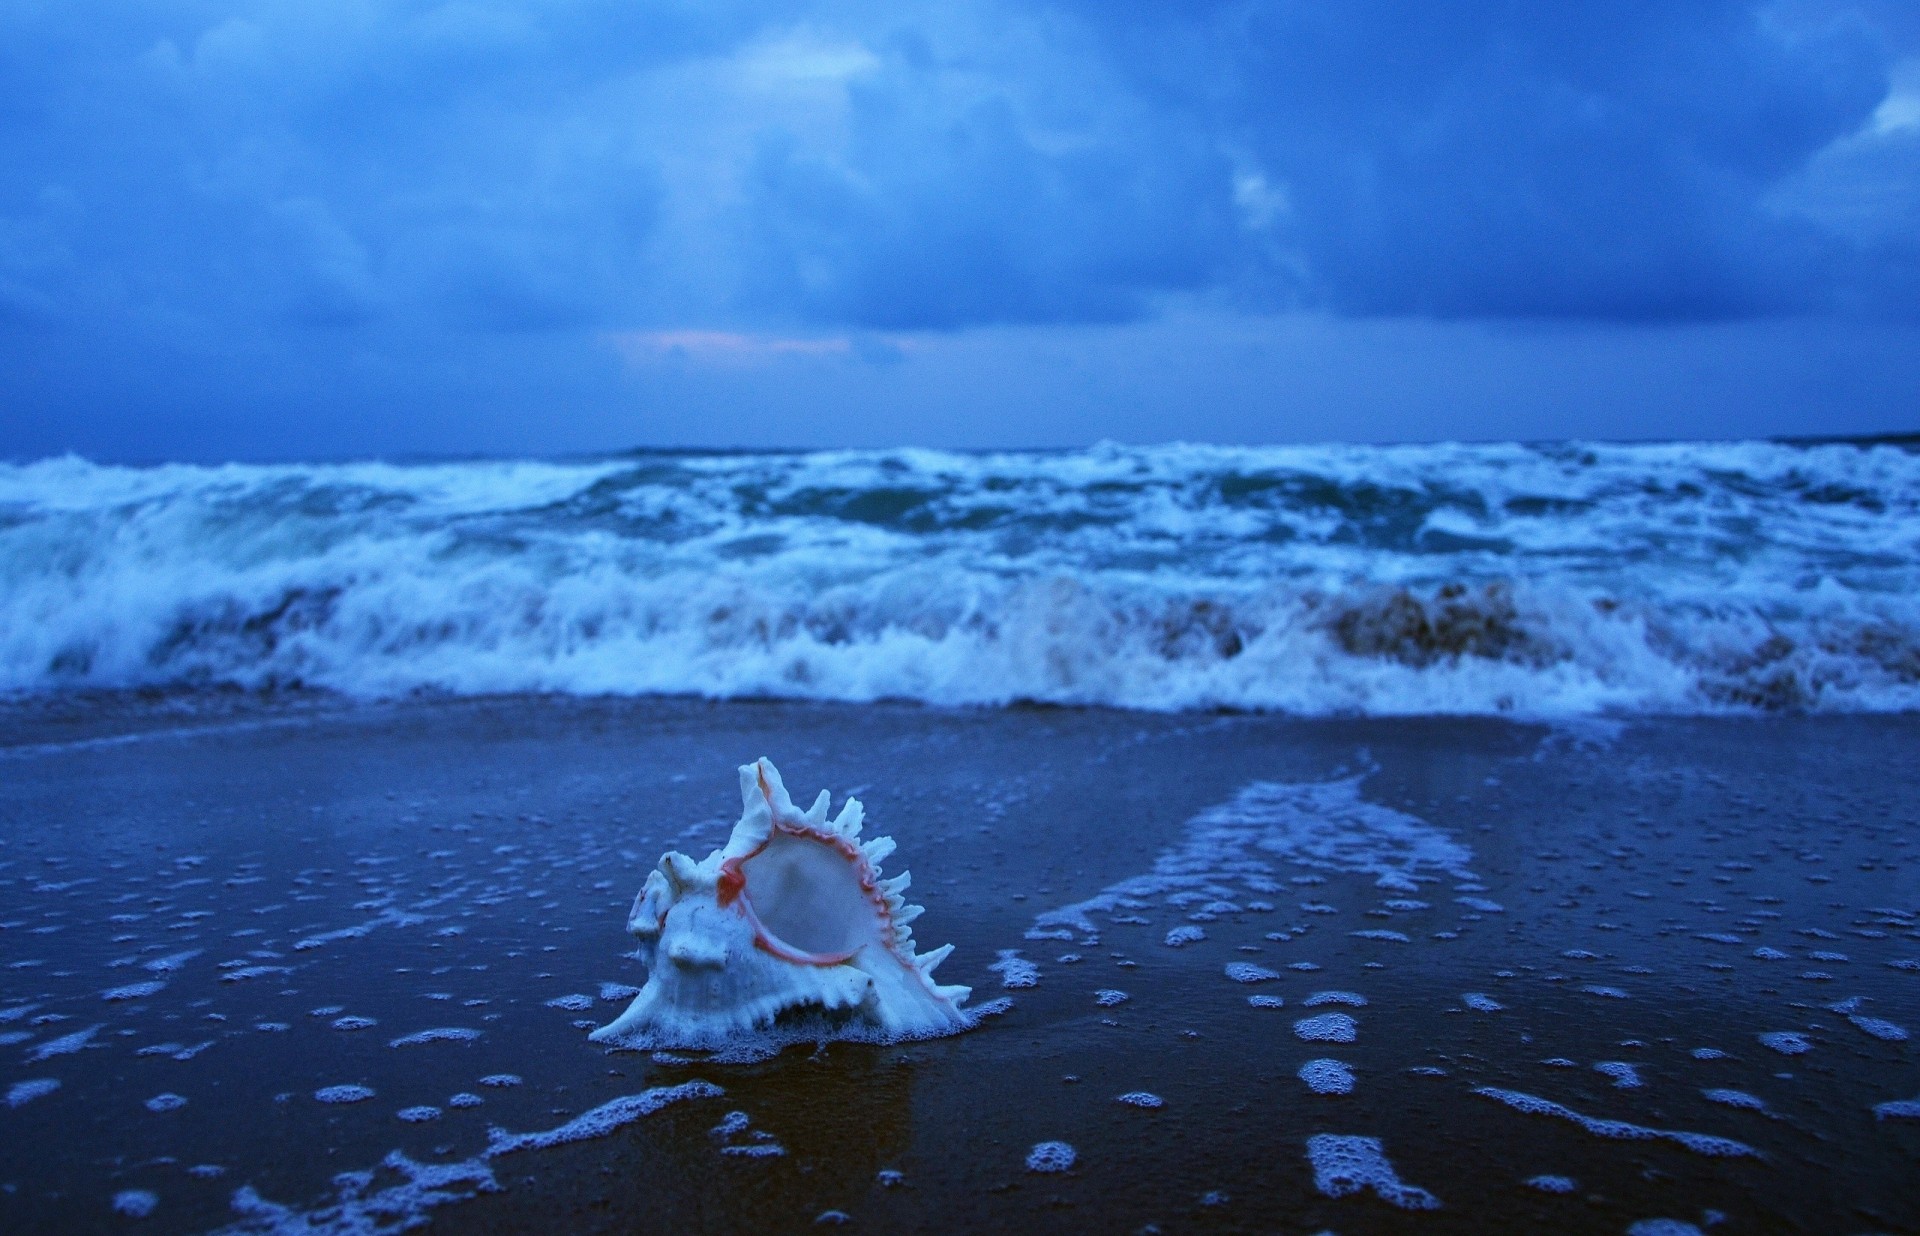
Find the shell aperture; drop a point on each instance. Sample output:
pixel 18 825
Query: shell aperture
pixel 788 933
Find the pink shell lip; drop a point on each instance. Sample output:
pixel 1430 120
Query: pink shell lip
pixel 732 887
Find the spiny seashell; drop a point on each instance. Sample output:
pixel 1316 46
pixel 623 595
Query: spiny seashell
pixel 786 933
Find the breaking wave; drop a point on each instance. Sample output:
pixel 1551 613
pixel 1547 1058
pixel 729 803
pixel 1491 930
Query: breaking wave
pixel 1533 580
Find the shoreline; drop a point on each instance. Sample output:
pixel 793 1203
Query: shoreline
pixel 1003 815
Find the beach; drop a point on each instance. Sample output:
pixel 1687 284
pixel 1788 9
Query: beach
pixel 1568 976
pixel 959 618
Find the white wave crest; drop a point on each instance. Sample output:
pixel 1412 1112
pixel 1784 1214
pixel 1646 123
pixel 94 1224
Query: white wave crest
pixel 1442 579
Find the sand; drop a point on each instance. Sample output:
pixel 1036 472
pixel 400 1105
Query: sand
pixel 260 944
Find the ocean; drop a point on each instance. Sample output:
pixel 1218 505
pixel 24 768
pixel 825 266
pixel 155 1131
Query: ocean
pixel 1535 581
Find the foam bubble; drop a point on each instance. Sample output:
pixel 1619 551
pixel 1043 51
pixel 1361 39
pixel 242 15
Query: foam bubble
pixel 465 1099
pixel 166 1102
pixel 500 1079
pixel 65 1045
pixel 572 1004
pixel 602 1120
pixel 1734 1098
pixel 1327 1077
pixel 343 1094
pixel 1324 824
pixel 418 1115
pixel 1880 1028
pixel 1352 999
pixel 755 1150
pixel 1786 1042
pixel 1327 1028
pixel 135 991
pixel 1663 1227
pixel 1552 1184
pixel 1344 1164
pixel 1266 1002
pixel 1050 1157
pixel 1108 997
pixel 1141 1098
pixel 439 1034
pixel 1480 1002
pixel 21 1093
pixel 1016 972
pixel 1898 1109
pixel 1624 1075
pixel 1699 1143
pixel 1247 972
pixel 354 1210
pixel 135 1203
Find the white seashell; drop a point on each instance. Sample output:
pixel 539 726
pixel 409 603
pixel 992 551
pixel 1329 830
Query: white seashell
pixel 786 933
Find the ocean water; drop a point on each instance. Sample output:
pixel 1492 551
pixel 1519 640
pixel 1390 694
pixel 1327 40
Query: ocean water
pixel 1545 580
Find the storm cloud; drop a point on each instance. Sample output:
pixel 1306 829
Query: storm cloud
pixel 232 197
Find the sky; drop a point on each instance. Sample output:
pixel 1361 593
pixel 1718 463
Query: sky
pixel 275 229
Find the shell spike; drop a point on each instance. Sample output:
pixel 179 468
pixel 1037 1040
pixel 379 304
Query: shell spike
pixel 847 823
pixel 906 914
pixel 877 850
pixel 930 961
pixel 772 789
pixel 897 885
pixel 817 814
pixel 680 870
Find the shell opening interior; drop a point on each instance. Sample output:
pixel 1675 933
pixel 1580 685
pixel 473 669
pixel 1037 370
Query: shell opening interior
pixel 808 896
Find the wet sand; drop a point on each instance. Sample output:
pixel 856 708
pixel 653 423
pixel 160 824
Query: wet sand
pixel 242 905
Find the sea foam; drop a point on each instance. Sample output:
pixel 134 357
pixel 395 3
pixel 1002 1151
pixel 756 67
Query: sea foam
pixel 1537 580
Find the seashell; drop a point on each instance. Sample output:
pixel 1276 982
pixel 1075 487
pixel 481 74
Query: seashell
pixel 787 933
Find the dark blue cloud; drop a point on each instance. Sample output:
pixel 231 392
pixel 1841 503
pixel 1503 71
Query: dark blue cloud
pixel 491 164
pixel 1590 160
pixel 330 165
pixel 245 203
pixel 1510 160
pixel 942 213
